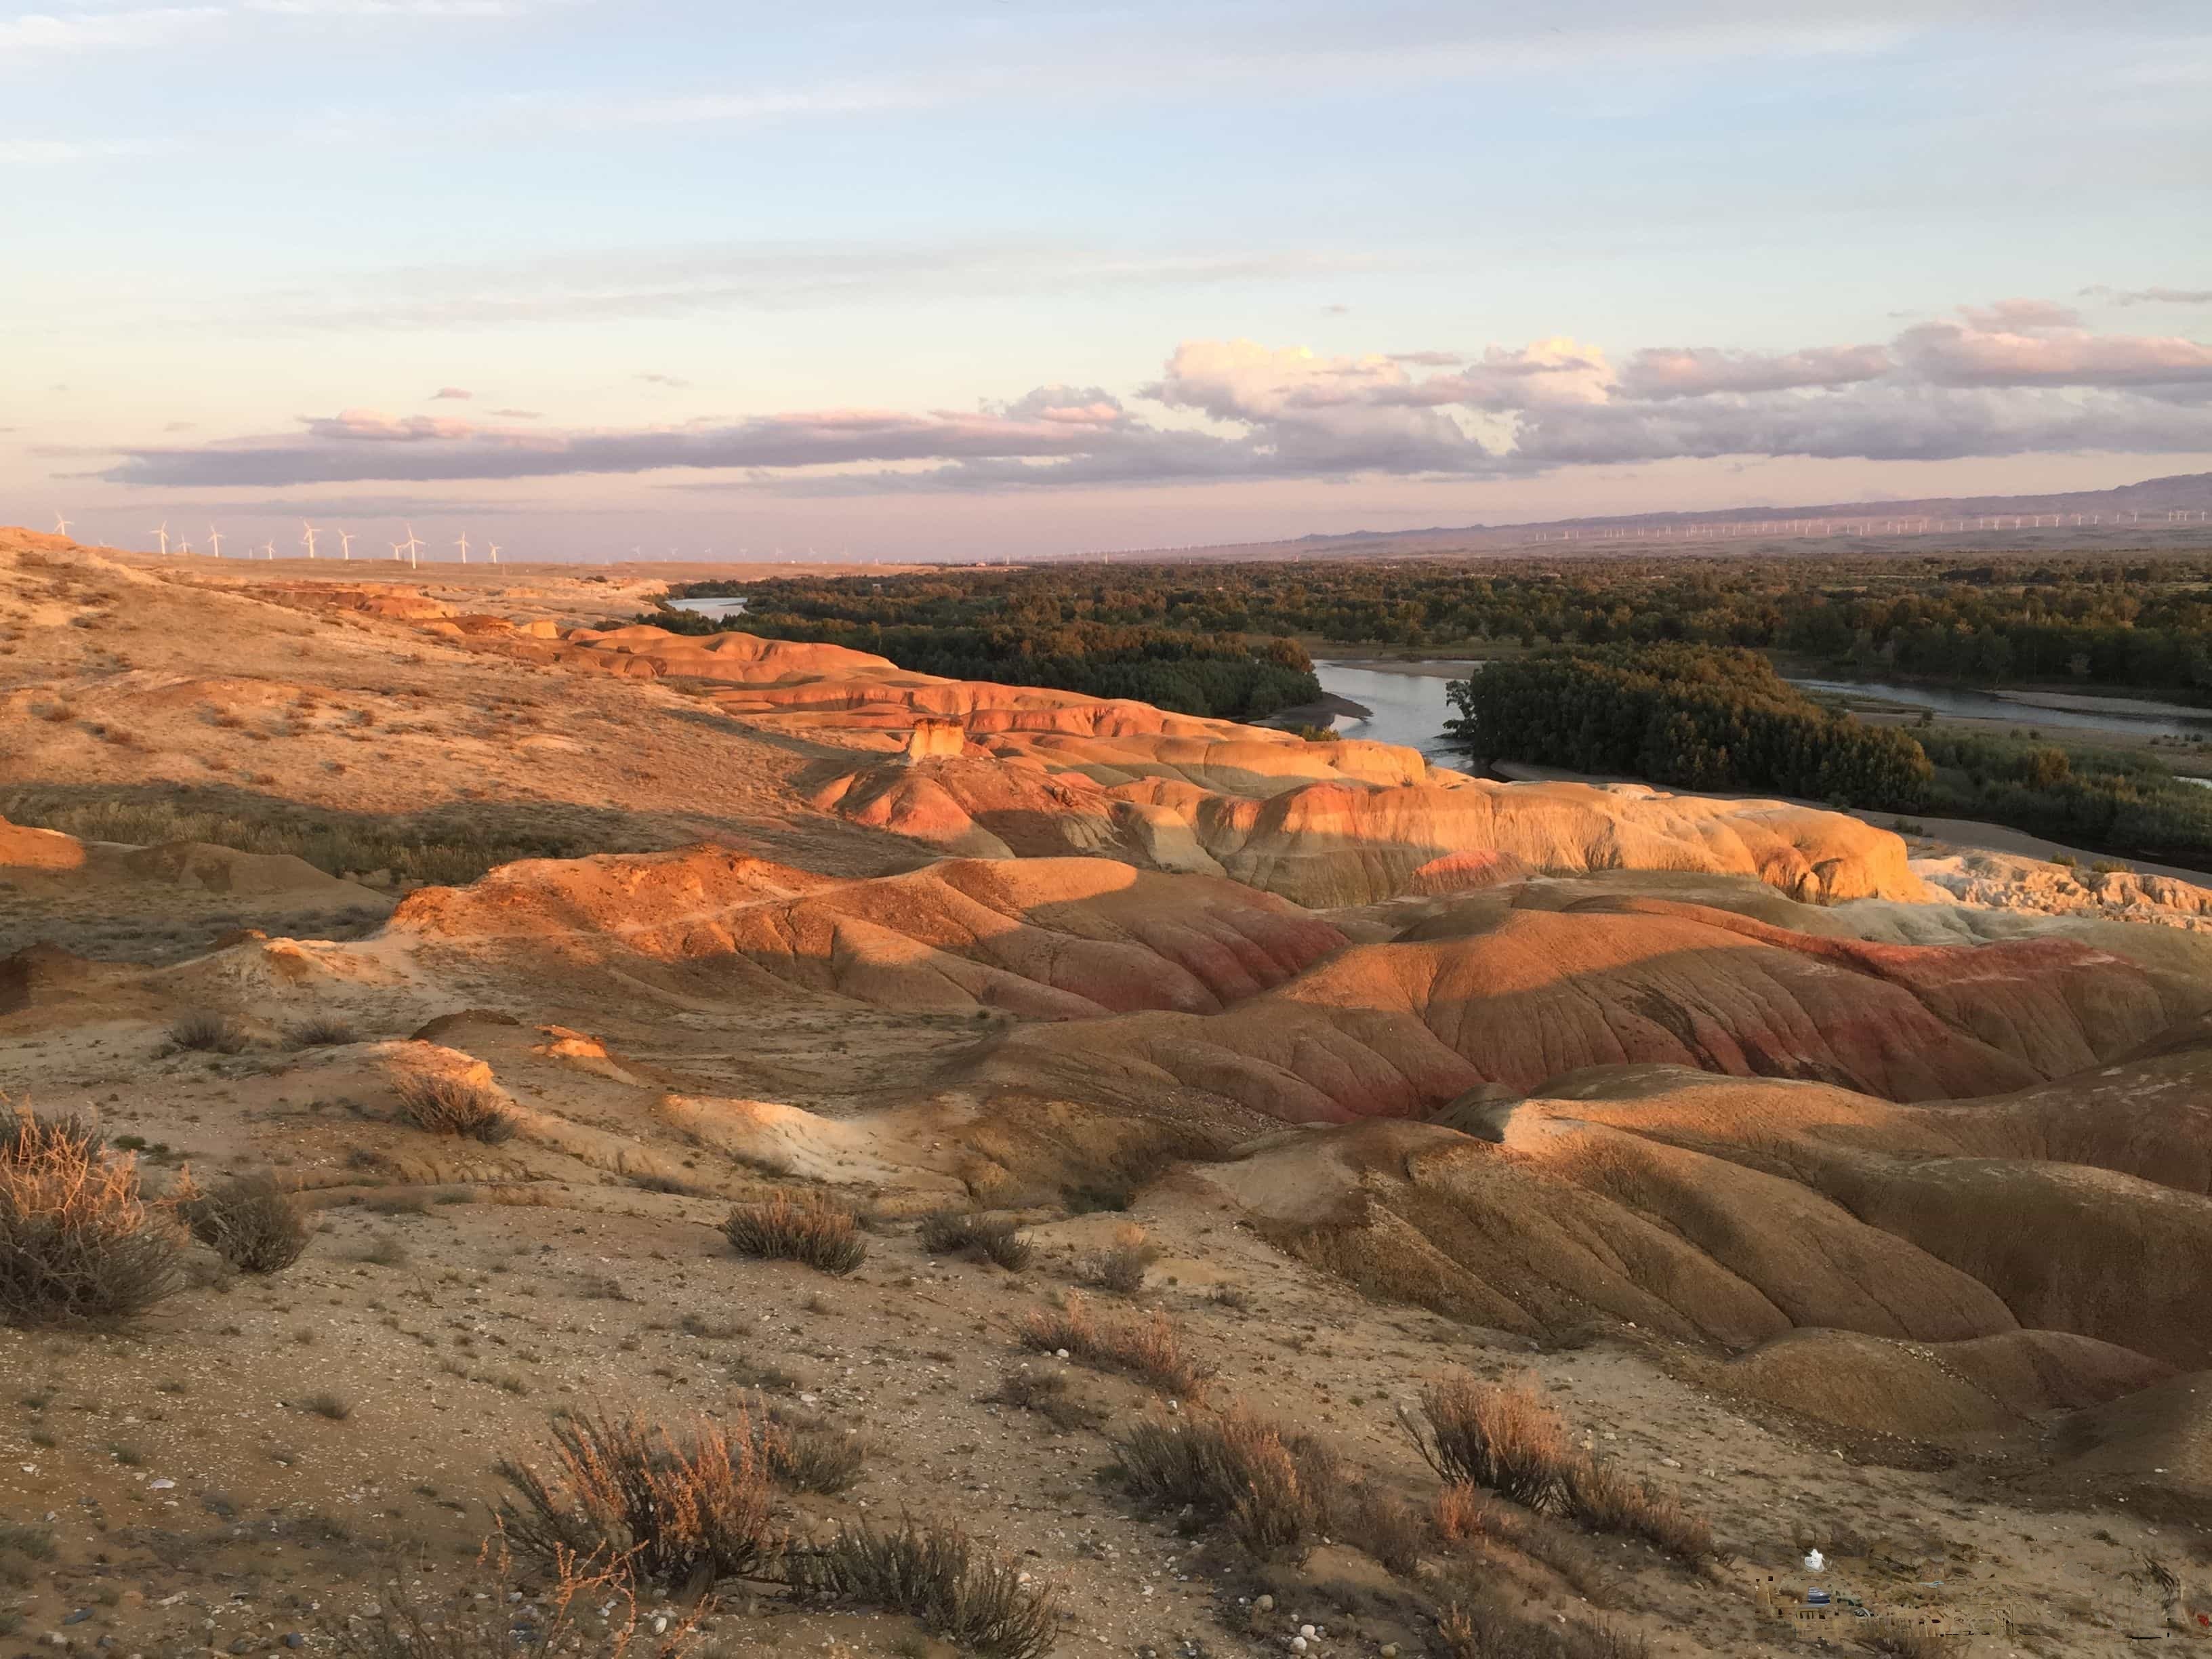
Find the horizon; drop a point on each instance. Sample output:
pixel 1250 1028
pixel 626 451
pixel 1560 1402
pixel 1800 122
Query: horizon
pixel 940 282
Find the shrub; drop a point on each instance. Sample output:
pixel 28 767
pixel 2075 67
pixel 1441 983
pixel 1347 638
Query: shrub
pixel 1461 1513
pixel 1231 1466
pixel 1148 1349
pixel 1504 1438
pixel 209 1033
pixel 811 1460
pixel 1604 1499
pixel 78 1243
pixel 996 1238
pixel 253 1223
pixel 1488 1629
pixel 20 1132
pixel 1123 1268
pixel 1045 1393
pixel 976 1602
pixel 335 1407
pixel 556 1624
pixel 452 1106
pixel 323 1032
pixel 813 1229
pixel 632 1499
pixel 1911 1642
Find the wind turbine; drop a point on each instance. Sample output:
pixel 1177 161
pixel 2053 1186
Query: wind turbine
pixel 494 552
pixel 163 532
pixel 345 544
pixel 308 536
pixel 414 546
pixel 184 550
pixel 61 524
pixel 463 543
pixel 268 550
pixel 214 540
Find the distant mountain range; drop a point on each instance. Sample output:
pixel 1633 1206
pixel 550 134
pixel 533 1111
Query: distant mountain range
pixel 2148 508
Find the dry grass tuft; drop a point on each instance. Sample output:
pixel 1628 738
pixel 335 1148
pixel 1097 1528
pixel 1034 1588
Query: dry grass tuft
pixel 209 1033
pixel 78 1243
pixel 452 1106
pixel 976 1602
pixel 995 1238
pixel 1231 1466
pixel 251 1222
pixel 584 1613
pixel 1486 1628
pixel 1606 1499
pixel 1911 1642
pixel 813 1229
pixel 632 1499
pixel 1046 1393
pixel 1148 1348
pixel 1461 1513
pixel 1504 1438
pixel 811 1460
pixel 322 1032
pixel 1121 1269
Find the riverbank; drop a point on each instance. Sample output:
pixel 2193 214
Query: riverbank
pixel 1958 834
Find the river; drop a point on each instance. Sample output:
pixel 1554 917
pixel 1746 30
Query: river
pixel 717 608
pixel 1409 708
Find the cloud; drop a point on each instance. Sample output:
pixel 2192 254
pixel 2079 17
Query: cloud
pixel 451 394
pixel 2009 379
pixel 663 379
pixel 1700 371
pixel 2020 316
pixel 2152 296
pixel 1966 354
pixel 518 414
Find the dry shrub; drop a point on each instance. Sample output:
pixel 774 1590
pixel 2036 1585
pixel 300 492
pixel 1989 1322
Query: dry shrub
pixel 1461 1513
pixel 1915 1642
pixel 995 1238
pixel 1046 1393
pixel 1486 1628
pixel 811 1460
pixel 1123 1268
pixel 1504 1437
pixel 325 1031
pixel 1231 1466
pixel 78 1241
pixel 813 1229
pixel 1393 1531
pixel 443 1105
pixel 253 1223
pixel 630 1498
pixel 584 1613
pixel 1606 1499
pixel 1147 1348
pixel 976 1602
pixel 209 1033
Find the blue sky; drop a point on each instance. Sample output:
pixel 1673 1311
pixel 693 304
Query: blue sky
pixel 936 278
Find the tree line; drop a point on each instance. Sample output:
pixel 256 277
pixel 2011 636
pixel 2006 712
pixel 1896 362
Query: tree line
pixel 2116 623
pixel 1712 718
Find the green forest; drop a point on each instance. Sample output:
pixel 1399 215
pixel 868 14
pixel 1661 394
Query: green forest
pixel 2096 624
pixel 1711 718
pixel 1222 675
pixel 1698 717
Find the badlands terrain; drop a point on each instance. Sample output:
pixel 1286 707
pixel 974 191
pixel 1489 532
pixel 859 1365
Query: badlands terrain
pixel 1839 1195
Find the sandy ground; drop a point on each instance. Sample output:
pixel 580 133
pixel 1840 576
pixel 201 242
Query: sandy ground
pixel 265 1456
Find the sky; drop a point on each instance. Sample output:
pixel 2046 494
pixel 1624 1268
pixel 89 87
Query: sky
pixel 926 279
